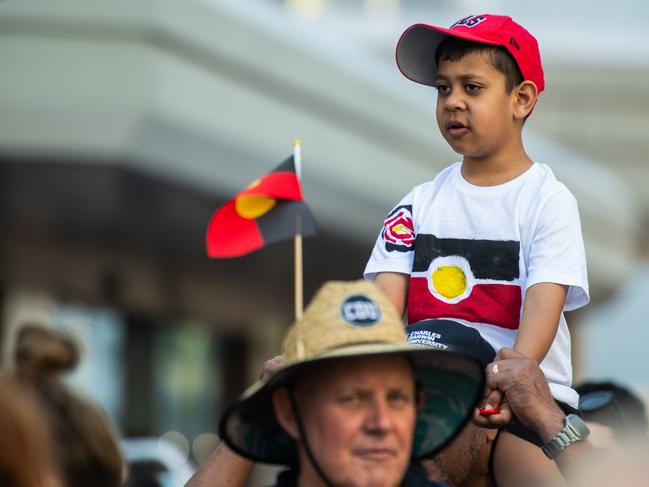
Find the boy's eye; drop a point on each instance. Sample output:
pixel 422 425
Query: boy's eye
pixel 442 88
pixel 471 88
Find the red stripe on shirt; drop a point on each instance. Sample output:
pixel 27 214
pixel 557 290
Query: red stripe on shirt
pixel 496 304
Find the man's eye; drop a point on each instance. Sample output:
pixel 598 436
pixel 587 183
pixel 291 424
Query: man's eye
pixel 349 399
pixel 398 398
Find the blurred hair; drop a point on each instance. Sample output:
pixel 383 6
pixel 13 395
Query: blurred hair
pixel 454 49
pixel 86 447
pixel 624 413
pixel 25 448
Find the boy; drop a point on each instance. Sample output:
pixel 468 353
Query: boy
pixel 494 241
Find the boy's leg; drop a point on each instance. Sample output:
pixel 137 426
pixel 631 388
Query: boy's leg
pixel 518 462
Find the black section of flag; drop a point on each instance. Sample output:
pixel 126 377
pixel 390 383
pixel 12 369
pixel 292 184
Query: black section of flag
pixel 287 166
pixel 287 218
pixel 489 259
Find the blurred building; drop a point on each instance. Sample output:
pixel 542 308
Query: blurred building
pixel 123 126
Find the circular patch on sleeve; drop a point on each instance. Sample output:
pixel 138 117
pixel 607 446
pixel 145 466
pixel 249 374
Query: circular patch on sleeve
pixel 398 229
pixel 359 310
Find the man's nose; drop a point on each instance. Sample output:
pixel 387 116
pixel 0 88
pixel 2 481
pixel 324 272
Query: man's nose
pixel 379 418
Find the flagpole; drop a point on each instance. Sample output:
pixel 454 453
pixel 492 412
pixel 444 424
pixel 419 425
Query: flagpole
pixel 299 302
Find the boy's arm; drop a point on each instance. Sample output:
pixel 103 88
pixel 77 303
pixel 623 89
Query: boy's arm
pixel 395 286
pixel 541 313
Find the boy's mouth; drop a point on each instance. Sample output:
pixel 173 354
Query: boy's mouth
pixel 456 128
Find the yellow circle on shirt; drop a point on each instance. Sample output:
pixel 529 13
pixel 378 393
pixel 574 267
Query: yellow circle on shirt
pixel 449 281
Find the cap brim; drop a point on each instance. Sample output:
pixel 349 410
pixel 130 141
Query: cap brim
pixel 452 383
pixel 417 47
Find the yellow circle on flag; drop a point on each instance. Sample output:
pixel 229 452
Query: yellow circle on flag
pixel 253 206
pixel 449 281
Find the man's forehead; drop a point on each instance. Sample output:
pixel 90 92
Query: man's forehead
pixel 359 370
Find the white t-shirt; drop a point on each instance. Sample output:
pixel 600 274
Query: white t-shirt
pixel 472 252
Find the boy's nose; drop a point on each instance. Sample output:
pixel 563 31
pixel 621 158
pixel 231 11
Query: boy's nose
pixel 454 101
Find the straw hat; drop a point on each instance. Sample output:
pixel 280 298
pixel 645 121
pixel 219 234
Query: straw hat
pixel 353 319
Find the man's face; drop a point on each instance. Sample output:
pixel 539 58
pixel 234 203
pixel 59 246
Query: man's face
pixel 359 416
pixel 474 111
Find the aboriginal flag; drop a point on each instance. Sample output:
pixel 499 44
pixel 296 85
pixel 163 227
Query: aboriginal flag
pixel 270 209
pixel 473 280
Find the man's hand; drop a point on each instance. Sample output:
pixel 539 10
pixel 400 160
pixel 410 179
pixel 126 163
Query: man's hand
pixel 526 394
pixel 270 366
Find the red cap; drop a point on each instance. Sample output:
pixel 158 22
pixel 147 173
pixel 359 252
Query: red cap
pixel 418 44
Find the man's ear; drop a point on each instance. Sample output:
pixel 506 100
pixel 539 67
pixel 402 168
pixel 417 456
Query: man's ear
pixel 525 96
pixel 421 400
pixel 284 413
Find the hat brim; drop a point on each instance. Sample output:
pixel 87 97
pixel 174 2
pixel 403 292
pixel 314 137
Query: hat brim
pixel 452 383
pixel 417 47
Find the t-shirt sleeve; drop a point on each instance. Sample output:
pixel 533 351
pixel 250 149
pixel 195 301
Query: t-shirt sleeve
pixel 395 245
pixel 557 252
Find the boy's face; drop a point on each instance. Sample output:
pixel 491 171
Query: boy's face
pixel 474 111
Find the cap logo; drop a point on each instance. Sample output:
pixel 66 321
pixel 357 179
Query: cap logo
pixel 470 21
pixel 359 310
pixel 512 42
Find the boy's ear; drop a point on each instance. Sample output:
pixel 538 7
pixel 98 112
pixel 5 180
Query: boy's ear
pixel 284 413
pixel 526 95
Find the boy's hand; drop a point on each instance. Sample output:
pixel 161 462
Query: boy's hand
pixel 494 411
pixel 526 394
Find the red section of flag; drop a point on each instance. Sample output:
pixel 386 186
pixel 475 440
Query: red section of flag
pixel 229 235
pixel 280 185
pixel 496 304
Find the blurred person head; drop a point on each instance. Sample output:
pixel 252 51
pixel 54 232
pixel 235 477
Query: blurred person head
pixel 85 446
pixel 25 448
pixel 353 403
pixel 627 467
pixel 618 413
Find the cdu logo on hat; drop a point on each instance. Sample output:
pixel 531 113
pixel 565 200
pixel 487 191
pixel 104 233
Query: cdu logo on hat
pixel 359 310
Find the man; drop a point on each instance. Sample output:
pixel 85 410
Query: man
pixel 466 460
pixel 353 403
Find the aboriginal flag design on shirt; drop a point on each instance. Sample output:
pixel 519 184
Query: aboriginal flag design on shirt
pixel 473 280
pixel 398 230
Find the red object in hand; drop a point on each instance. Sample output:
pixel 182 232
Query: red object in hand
pixel 488 412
